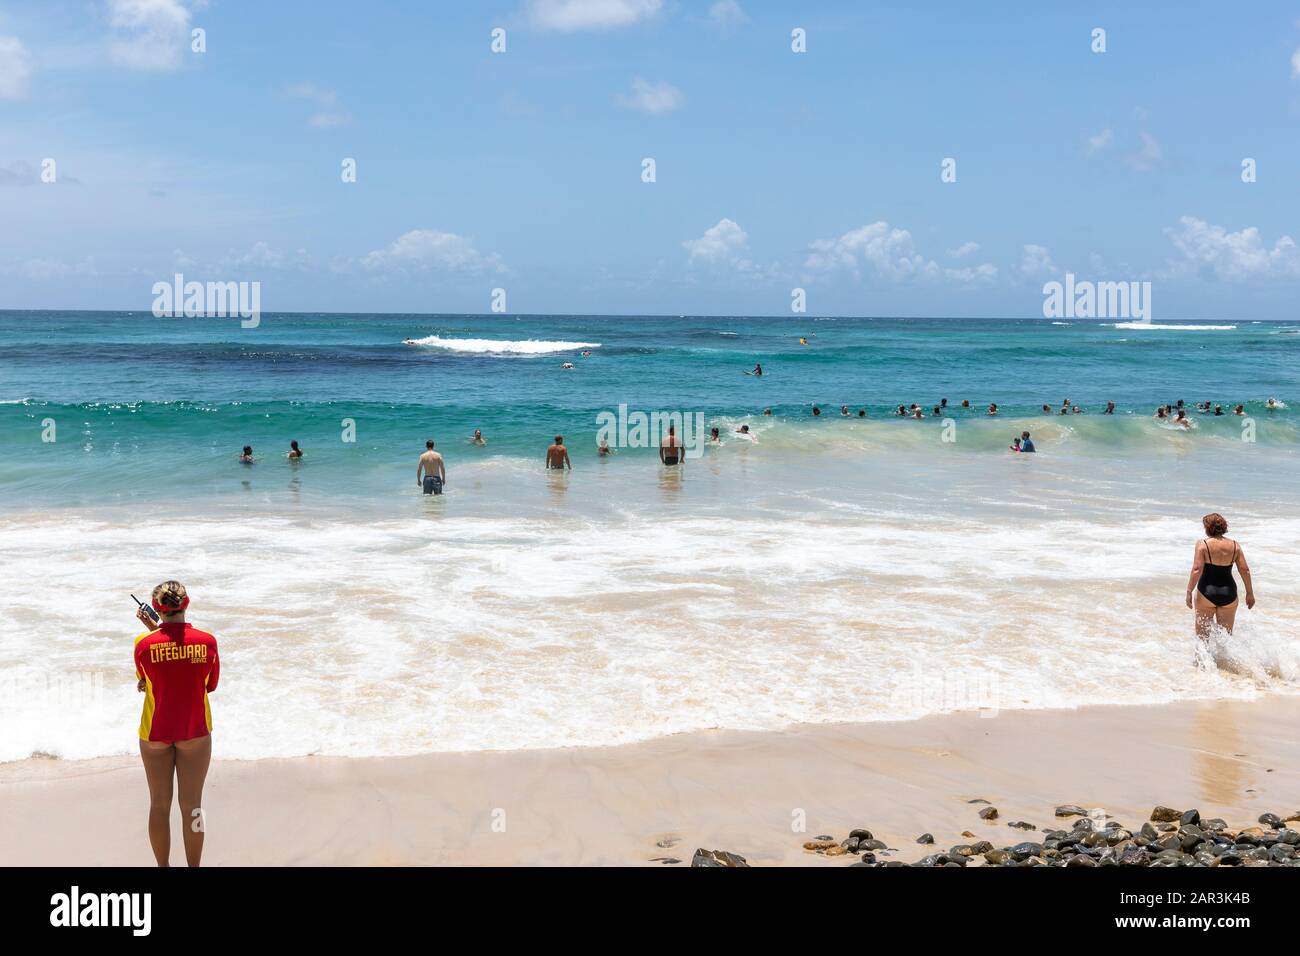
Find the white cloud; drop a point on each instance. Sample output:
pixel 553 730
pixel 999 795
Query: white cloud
pixel 1036 261
pixel 1295 64
pixel 1232 256
pixel 653 98
pixel 1100 141
pixel 15 69
pixel 148 34
pixel 727 13
pixel 568 16
pixel 965 249
pixel 889 253
pixel 423 250
pixel 329 114
pixel 1150 156
pixel 723 244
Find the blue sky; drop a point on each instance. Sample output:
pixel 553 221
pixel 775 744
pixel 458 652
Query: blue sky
pixel 522 170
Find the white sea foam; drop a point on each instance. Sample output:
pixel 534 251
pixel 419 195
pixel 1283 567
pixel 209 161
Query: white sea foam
pixel 1174 328
pixel 352 637
pixel 500 346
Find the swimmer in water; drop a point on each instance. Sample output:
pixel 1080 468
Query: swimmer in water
pixel 1026 443
pixel 295 452
pixel 1182 420
pixel 767 411
pixel 758 370
pixel 918 414
pixel 715 438
pixel 1239 410
pixel 557 456
pixel 567 365
pixel 1110 409
pixel 1047 409
pixel 742 430
pixel 993 408
pixel 1161 412
pixel 585 353
pixel 603 449
pixel 247 457
pixel 943 403
pixel 1015 445
pixel 1272 404
pixel 1211 590
pixel 478 438
pixel 938 410
pixel 844 411
pixel 862 413
pixel 901 412
pixel 670 449
pixel 1078 409
pixel 431 472
pixel 965 403
pixel 1218 410
pixel 816 412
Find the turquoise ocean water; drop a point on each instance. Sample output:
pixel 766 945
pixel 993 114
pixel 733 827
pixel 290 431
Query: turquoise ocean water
pixel 823 569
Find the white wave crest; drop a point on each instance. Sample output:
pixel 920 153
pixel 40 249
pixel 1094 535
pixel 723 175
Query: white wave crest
pixel 500 346
pixel 1175 328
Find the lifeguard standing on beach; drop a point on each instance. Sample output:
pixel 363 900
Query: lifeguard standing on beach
pixel 176 666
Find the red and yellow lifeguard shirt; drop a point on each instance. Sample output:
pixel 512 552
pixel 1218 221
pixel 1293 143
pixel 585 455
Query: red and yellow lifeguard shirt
pixel 179 665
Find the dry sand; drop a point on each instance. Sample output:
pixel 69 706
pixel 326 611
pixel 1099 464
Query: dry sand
pixel 743 792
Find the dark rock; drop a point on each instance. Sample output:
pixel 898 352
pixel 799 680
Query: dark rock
pixel 1289 837
pixel 861 834
pixel 1190 816
pixel 1149 832
pixel 1022 825
pixel 1070 810
pixel 977 800
pixel 871 845
pixel 963 849
pixel 1165 815
pixel 665 859
pixel 983 846
pixel 1215 824
pixel 1022 851
pixel 1271 820
pixel 717 858
pixel 925 838
pixel 850 845
pixel 821 844
pixel 827 836
pixel 989 813
pixel 997 857
pixel 668 842
pixel 1081 859
pixel 868 858
pixel 967 834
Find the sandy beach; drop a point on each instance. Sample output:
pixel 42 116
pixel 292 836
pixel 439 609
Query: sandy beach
pixel 743 792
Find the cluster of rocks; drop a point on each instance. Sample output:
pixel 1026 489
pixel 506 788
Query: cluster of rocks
pixel 1169 838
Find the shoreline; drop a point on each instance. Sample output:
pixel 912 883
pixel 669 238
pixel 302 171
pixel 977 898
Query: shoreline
pixel 740 791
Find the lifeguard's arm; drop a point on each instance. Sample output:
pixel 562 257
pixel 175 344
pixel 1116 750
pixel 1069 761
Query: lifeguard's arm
pixel 419 472
pixel 215 673
pixel 1198 564
pixel 1244 568
pixel 442 469
pixel 566 459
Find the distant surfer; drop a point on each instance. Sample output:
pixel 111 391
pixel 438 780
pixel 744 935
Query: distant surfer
pixel 567 365
pixel 431 473
pixel 557 456
pixel 758 370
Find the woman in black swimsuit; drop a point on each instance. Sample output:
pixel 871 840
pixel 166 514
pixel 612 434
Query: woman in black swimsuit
pixel 1211 590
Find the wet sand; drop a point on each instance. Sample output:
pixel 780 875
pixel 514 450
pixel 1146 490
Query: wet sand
pixel 744 792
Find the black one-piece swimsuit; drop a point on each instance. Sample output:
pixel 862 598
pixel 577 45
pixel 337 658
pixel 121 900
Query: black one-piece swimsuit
pixel 1217 584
